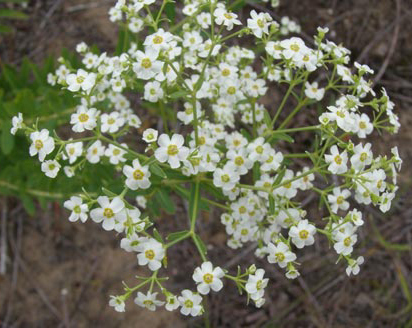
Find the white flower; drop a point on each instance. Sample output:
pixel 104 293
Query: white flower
pixel 312 91
pixel 83 119
pixel 109 212
pixel 17 122
pixel 42 144
pixel 80 80
pixel 386 201
pixel 259 23
pixel 256 284
pixel 150 135
pixel 95 151
pixel 112 122
pixel 292 47
pixel 240 160
pixel 153 91
pixel 73 150
pixel 208 278
pixel 226 178
pixel 344 73
pixel 172 303
pixel 137 176
pixel 171 150
pixel 132 242
pixel 302 234
pixel 79 210
pixel 337 161
pixel 50 168
pixel 192 40
pixel 364 124
pixel 362 156
pixel 69 171
pixel 115 153
pixel 147 65
pixel 159 40
pixel 345 240
pixel 292 273
pixel 148 301
pixel 305 182
pixel 280 254
pixel 227 18
pixel 117 303
pixel 356 217
pixel 338 199
pixel 354 266
pixel 151 253
pixel 190 303
pixel 141 201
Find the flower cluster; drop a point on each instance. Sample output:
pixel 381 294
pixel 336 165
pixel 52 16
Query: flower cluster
pixel 230 142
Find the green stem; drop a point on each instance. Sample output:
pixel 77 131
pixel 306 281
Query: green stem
pixel 282 104
pixel 293 113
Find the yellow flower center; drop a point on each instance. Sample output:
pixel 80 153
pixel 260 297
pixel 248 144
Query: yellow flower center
pixel 108 213
pixel 138 175
pixel 231 90
pixel 172 150
pixel 294 47
pixel 228 16
pixel 83 117
pixel 260 23
pixel 303 234
pixel 157 39
pixel 239 161
pixel 77 209
pixel 259 149
pixel 347 241
pixel 226 72
pixel 188 304
pixel 338 160
pixel 280 257
pixel 225 178
pixel 146 63
pixel 208 278
pixel 340 200
pixel 38 144
pixel 80 79
pixel 149 254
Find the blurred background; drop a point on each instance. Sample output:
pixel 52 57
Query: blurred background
pixel 54 273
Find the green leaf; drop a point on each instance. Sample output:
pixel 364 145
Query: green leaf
pixel 170 10
pixel 157 236
pixel 5 29
pixel 272 207
pixel 200 244
pixel 192 200
pixel 178 94
pixel 177 235
pixel 155 169
pixel 28 204
pixel 166 203
pixel 267 118
pixel 7 139
pixel 279 177
pixel 281 136
pixel 12 14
